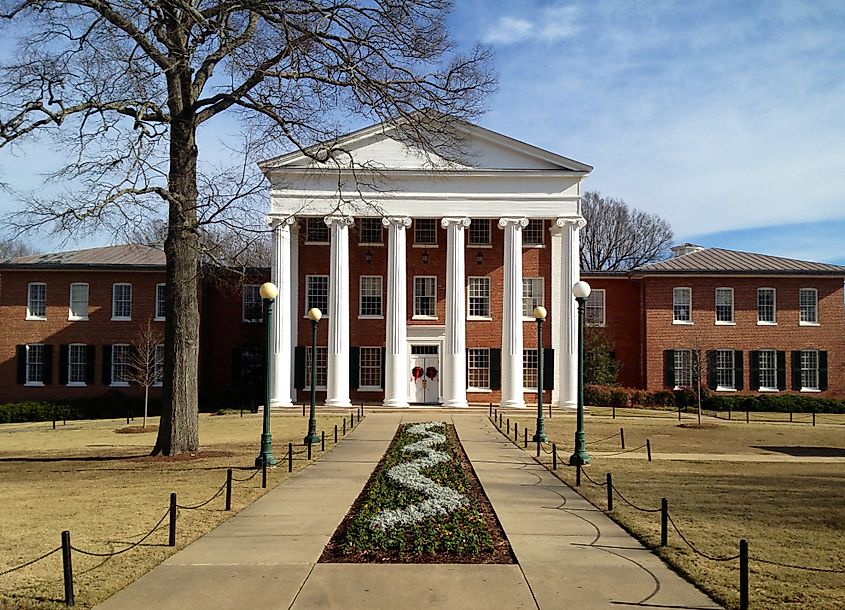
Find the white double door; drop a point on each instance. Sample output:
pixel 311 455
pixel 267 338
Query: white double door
pixel 424 374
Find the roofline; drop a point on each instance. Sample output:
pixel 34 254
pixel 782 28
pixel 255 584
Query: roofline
pixel 79 266
pixel 718 273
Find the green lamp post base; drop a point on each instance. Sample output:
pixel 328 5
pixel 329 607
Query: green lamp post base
pixel 311 439
pixel 580 455
pixel 266 452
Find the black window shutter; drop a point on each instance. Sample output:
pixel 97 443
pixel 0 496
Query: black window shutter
pixel 796 370
pixel 299 367
pixel 823 371
pixel 495 369
pixel 107 365
pixel 753 370
pixel 781 370
pixel 48 364
pixel 738 380
pixel 354 373
pixel 383 352
pixel 20 350
pixel 548 369
pixel 669 368
pixel 711 369
pixel 237 368
pixel 90 357
pixel 63 356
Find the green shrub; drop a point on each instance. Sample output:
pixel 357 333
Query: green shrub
pixel 778 403
pixel 110 406
pixel 660 398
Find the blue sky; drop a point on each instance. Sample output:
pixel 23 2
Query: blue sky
pixel 726 118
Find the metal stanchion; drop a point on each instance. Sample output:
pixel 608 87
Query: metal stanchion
pixel 67 568
pixel 228 489
pixel 172 537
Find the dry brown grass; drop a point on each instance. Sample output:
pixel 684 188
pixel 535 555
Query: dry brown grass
pixel 104 489
pixel 789 512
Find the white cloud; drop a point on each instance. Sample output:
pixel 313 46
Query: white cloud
pixel 508 30
pixel 550 24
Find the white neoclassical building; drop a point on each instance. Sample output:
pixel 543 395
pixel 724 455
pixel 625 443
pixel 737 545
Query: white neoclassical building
pixel 426 271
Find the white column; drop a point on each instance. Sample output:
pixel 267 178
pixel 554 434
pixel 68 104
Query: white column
pixel 454 356
pixel 570 266
pixel 396 315
pixel 512 313
pixel 337 385
pixel 281 387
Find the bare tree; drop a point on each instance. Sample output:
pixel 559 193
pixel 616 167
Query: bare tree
pixel 618 238
pixel 125 85
pixel 10 248
pixel 144 367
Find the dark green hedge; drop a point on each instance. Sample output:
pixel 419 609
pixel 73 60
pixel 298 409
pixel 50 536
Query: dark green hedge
pixel 111 406
pixel 778 403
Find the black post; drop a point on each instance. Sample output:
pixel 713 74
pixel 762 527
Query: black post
pixel 609 492
pixel 172 539
pixel 648 448
pixel 303 409
pixel 550 411
pixel 309 452
pixel 54 417
pixel 614 411
pixel 242 411
pixel 554 456
pixel 490 410
pixel 526 438
pixel 790 418
pixel 127 416
pixel 264 472
pixel 67 567
pixel 516 431
pixel 335 434
pixel 228 489
pixel 729 414
pixel 743 574
pixel 814 418
pixel 622 436
pixel 509 426
pixel 351 420
pixel 323 440
pixel 578 475
pixel 344 426
pixel 679 413
pixel 664 521
pixel 747 419
pixel 290 457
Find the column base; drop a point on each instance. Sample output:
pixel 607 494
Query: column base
pixel 281 402
pixel 568 405
pixel 455 403
pixel 512 404
pixel 395 402
pixel 338 402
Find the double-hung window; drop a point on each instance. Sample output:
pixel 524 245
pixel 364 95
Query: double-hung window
pixel 121 302
pixel 683 368
pixel 529 369
pixel 369 368
pixel 682 305
pixel 161 301
pixel 532 235
pixel 36 303
pixel 724 306
pixel 76 364
pixel 809 370
pixel 35 356
pixel 322 367
pixel 478 368
pixel 372 231
pixel 594 308
pixel 478 297
pixel 808 306
pixel 532 295
pixel 317 293
pixel 479 232
pixel 425 232
pixel 120 363
pixel 725 369
pixel 768 369
pixel 425 296
pixel 78 306
pixel 370 298
pixel 766 307
pixel 252 304
pixel 316 231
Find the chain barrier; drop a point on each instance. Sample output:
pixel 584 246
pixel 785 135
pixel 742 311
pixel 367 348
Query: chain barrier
pixel 621 452
pixel 30 562
pixel 584 472
pixel 631 504
pixel 201 504
pixel 601 440
pixel 250 477
pixel 130 547
pixel 695 550
pixel 543 446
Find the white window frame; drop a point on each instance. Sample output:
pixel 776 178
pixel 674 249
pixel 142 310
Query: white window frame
pixel 79 348
pixel 422 244
pixel 676 304
pixel 529 363
pixel 682 367
pixel 114 302
pixel 475 225
pixel 482 280
pixel 724 290
pixel 721 356
pixel 161 302
pixel 322 365
pixel 473 353
pixel 363 365
pixel 772 370
pixel 432 279
pixel 308 240
pixel 158 365
pixel 370 316
pixel 31 364
pixel 590 304
pixel 805 368
pixel 774 320
pixel 252 291
pixel 70 315
pixel 309 296
pixel 369 242
pixel 29 301
pixel 815 306
pixel 532 222
pixel 124 347
pixel 531 298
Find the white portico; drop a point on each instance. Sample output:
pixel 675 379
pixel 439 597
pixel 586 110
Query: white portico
pixel 370 175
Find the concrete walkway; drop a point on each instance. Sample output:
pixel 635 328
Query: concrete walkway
pixel 569 553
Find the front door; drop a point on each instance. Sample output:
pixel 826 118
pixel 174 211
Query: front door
pixel 425 374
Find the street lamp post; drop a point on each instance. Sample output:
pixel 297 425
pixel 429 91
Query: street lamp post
pixel 540 316
pixel 314 315
pixel 268 292
pixel 581 291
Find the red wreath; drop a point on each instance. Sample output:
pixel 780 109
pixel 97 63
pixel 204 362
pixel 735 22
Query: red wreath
pixel 431 372
pixel 416 372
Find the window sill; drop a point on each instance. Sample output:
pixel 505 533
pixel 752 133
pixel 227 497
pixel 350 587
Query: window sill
pixel 808 324
pixel 424 317
pixel 157 385
pixel 759 323
pixel 529 390
pixel 810 390
pixel 77 384
pixel 253 321
pixel 325 316
pixel 121 319
pixel 480 318
pixel 75 319
pixel 768 390
pixel 722 389
pixel 432 246
pixel 42 318
pixel 530 246
pixel 318 243
pixel 480 390
pixel 371 317
pixel 683 322
pixel 34 384
pixel 487 246
pixel 595 325
pixel 369 389
pixel 157 319
pixel 372 244
pixel 119 384
pixel 721 323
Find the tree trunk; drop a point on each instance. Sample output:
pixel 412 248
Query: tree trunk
pixel 146 402
pixel 178 431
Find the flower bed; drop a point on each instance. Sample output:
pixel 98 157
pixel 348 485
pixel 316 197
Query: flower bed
pixel 423 504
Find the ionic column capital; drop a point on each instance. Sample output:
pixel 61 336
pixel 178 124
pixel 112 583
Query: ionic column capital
pixel 515 222
pixel 275 221
pixel 400 222
pixel 339 220
pixel 460 223
pixel 573 223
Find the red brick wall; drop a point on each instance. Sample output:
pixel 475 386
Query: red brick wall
pixel 57 330
pixel 746 335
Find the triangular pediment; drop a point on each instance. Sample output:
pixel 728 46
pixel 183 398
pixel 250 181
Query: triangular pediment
pixel 470 148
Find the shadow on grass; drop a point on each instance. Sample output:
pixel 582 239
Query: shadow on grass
pixel 90 458
pixel 798 451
